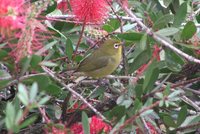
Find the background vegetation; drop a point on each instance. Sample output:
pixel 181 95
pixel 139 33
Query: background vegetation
pixel 155 89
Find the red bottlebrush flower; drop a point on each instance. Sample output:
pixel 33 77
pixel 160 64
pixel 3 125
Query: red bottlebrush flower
pixel 77 129
pixel 58 131
pixel 156 52
pixel 63 6
pixel 142 69
pixel 90 11
pixel 30 40
pixel 76 106
pixel 152 128
pixel 10 16
pixel 96 126
pixel 55 129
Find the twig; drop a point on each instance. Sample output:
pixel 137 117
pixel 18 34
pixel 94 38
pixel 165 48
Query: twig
pixel 14 81
pixel 194 125
pixel 68 87
pixel 158 37
pixel 197 12
pixel 64 17
pixel 119 77
pixel 80 38
pixel 192 90
pixel 190 102
pixel 64 107
pixel 172 86
pixel 43 113
pixel 125 18
pixel 25 113
pixel 131 119
pixel 146 128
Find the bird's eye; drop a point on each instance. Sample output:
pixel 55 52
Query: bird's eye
pixel 116 45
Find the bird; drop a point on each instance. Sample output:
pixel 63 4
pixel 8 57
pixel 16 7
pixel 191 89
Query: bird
pixel 102 61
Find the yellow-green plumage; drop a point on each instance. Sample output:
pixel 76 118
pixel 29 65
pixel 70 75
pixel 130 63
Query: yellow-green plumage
pixel 102 61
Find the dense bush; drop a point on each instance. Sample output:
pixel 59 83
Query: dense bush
pixel 154 90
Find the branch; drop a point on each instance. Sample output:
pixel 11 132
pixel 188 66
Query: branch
pixel 125 18
pixel 159 38
pixel 14 81
pixel 194 125
pixel 172 86
pixel 79 40
pixel 131 119
pixel 68 87
pixel 190 102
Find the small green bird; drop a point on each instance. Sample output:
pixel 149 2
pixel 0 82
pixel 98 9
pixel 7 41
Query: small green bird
pixel 102 61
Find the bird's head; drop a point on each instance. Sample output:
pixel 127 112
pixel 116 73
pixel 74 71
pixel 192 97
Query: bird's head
pixel 111 46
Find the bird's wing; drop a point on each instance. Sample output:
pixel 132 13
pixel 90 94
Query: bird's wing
pixel 91 64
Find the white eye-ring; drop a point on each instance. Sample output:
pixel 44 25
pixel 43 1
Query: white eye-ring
pixel 116 45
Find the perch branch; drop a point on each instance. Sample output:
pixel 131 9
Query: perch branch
pixel 159 38
pixel 68 87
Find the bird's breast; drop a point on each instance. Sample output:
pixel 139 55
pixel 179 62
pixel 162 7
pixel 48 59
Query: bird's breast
pixel 113 63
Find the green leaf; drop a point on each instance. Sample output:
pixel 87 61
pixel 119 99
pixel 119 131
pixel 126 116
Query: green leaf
pixel 3 83
pixel 151 76
pixel 187 46
pixel 25 64
pixel 188 31
pixel 174 95
pixel 117 112
pixel 69 48
pixel 138 90
pixel 146 113
pixel 4 74
pixel 51 27
pixel 48 64
pixel 53 90
pixel 36 59
pixel 3 54
pixel 23 94
pixel 143 42
pixel 112 25
pixel 42 81
pixel 137 106
pixel 128 27
pixel 141 59
pixel 2 45
pixel 173 61
pixel 51 7
pixel 28 121
pixel 165 3
pixel 10 116
pixel 46 47
pixel 182 115
pixel 98 92
pixel 43 100
pixel 180 15
pixel 18 116
pixel 167 90
pixel 85 123
pixel 167 31
pixel 33 92
pixel 163 21
pixel 169 121
pixel 119 123
pixel 124 101
pixel 132 36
